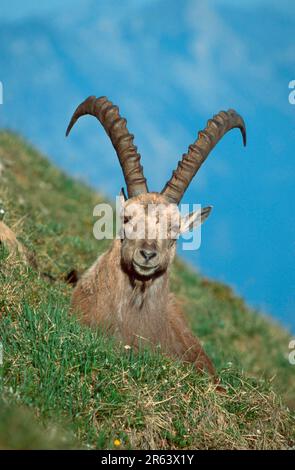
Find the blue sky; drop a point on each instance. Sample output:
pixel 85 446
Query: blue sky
pixel 170 66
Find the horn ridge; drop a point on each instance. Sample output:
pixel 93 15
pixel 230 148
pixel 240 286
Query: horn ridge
pixel 116 128
pixel 197 153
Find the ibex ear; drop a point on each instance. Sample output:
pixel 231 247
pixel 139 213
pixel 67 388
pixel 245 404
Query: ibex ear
pixel 120 204
pixel 123 195
pixel 120 208
pixel 122 200
pixel 194 219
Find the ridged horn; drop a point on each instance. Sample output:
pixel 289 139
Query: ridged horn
pixel 115 126
pixel 197 153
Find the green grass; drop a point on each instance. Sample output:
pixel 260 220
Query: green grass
pixel 20 429
pixel 64 385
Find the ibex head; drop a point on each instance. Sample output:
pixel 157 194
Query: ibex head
pixel 151 221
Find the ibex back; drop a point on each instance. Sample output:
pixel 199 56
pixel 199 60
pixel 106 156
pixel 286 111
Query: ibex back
pixel 126 291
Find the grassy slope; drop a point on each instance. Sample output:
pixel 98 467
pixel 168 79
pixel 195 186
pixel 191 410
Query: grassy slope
pixel 72 379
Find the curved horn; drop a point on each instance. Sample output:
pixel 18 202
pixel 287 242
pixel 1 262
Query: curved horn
pixel 197 153
pixel 122 140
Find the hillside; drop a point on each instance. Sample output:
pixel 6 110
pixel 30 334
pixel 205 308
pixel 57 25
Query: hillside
pixel 77 388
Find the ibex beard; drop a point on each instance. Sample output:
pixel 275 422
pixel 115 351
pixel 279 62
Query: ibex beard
pixel 126 291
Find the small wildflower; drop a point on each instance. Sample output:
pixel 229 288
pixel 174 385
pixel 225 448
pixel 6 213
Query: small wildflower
pixel 127 347
pixel 117 442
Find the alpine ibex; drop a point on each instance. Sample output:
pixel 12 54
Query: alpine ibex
pixel 126 291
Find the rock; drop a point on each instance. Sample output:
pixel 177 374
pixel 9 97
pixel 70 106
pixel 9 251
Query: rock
pixel 8 239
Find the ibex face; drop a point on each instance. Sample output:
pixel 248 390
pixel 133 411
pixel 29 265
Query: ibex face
pixel 150 227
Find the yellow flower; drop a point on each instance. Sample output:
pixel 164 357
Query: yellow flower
pixel 117 442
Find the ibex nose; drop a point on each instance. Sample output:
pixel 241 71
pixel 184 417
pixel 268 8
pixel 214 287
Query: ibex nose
pixel 148 254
